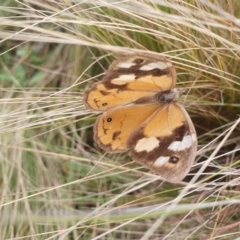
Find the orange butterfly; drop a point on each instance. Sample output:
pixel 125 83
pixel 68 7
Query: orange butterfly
pixel 137 98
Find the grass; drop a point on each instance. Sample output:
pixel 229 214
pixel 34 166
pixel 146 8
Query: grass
pixel 55 181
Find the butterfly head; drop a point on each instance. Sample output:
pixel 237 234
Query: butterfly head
pixel 167 96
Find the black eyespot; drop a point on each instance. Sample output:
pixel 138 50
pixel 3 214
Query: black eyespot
pixel 109 119
pixel 138 60
pixel 104 104
pixel 174 160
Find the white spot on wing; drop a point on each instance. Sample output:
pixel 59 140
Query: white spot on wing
pixel 182 145
pixel 161 161
pixel 123 79
pixel 146 144
pixel 153 65
pixel 126 64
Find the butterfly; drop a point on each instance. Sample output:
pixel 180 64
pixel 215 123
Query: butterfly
pixel 139 113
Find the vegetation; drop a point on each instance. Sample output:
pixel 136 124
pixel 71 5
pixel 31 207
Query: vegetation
pixel 55 181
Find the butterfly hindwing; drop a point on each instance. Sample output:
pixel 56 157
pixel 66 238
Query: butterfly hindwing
pixel 100 98
pixel 113 128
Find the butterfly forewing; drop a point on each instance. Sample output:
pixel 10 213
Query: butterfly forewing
pixel 130 78
pixel 166 143
pixel 141 73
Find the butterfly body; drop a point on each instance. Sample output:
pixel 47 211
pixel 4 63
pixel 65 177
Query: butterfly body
pixel 137 98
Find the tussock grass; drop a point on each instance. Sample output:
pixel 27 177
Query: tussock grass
pixel 55 182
